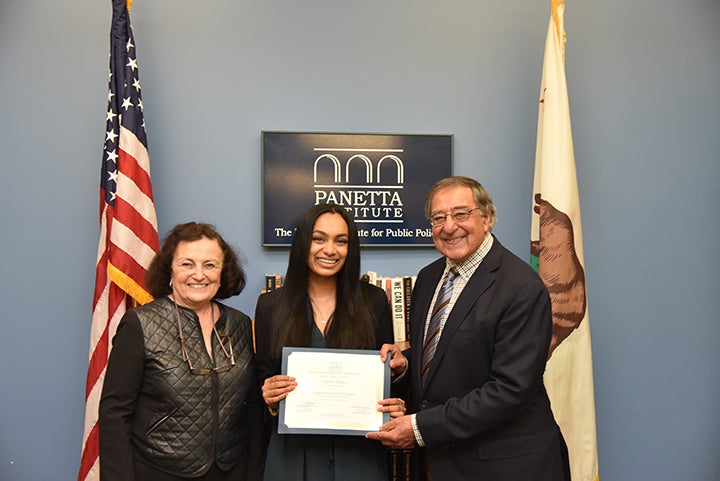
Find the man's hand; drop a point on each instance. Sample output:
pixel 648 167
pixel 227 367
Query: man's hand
pixel 396 433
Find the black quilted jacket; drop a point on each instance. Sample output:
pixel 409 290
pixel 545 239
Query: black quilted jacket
pixel 153 409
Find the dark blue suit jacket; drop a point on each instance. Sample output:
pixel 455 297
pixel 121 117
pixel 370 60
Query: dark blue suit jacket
pixel 485 413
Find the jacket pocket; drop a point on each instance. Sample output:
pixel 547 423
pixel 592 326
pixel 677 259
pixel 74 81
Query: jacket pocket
pixel 508 447
pixel 164 417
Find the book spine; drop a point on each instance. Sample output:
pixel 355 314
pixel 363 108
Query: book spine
pixel 398 309
pixel 272 282
pixel 407 283
pixel 395 464
pixel 406 456
pixel 387 286
pixel 269 282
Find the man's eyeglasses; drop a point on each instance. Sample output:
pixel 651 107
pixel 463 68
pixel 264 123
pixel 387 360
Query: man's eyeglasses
pixel 459 215
pixel 222 340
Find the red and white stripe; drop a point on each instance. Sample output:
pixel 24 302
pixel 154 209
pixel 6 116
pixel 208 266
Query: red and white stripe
pixel 128 243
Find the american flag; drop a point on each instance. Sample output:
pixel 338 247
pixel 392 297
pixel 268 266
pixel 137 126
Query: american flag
pixel 128 226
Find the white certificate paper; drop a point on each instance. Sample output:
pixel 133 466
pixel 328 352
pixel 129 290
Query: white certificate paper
pixel 337 391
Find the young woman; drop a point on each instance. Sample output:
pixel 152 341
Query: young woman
pixel 323 304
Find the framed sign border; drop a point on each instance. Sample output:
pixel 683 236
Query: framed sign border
pixel 449 162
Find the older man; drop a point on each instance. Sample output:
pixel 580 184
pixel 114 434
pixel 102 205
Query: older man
pixel 480 331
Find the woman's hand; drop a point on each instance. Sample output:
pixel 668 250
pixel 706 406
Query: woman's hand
pixel 398 362
pixel 276 388
pixel 395 406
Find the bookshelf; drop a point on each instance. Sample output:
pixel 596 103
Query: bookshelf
pixel 399 291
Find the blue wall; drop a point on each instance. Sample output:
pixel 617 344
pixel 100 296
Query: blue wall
pixel 643 80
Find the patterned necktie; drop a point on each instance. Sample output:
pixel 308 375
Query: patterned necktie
pixel 433 332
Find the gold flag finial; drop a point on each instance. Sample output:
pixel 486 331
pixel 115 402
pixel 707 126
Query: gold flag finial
pixel 558 7
pixel 128 3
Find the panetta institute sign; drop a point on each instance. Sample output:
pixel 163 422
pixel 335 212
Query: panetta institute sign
pixel 381 179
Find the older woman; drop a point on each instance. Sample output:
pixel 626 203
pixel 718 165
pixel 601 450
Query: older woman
pixel 180 398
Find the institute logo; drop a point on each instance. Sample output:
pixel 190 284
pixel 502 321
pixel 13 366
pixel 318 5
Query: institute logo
pixel 368 183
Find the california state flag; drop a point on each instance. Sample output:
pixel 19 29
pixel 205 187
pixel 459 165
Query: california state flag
pixel 557 254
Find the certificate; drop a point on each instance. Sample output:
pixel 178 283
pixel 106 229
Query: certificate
pixel 337 391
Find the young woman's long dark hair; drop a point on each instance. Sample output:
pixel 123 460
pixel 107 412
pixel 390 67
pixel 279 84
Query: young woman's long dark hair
pixel 352 324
